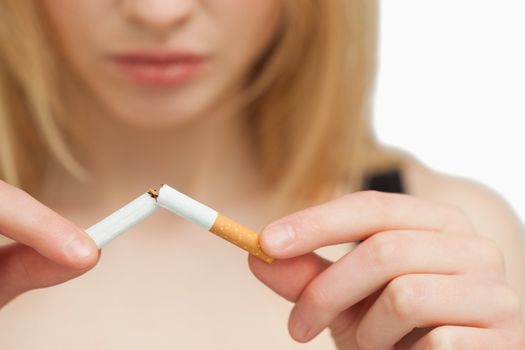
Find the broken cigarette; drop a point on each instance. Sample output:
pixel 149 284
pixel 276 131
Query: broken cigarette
pixel 131 214
pixel 140 208
pixel 212 221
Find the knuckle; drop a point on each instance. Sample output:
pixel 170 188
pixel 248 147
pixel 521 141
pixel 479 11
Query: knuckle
pixel 377 199
pixel 492 256
pixel 494 253
pixel 381 249
pixel 402 297
pixel 459 221
pixel 317 296
pixel 20 268
pixel 370 194
pixel 438 338
pixel 381 205
pixel 362 341
pixel 341 325
pixel 510 301
pixel 376 202
pixel 305 222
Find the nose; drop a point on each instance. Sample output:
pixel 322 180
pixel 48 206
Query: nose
pixel 158 14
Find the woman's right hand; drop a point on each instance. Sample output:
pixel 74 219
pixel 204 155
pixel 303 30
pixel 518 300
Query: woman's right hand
pixel 48 248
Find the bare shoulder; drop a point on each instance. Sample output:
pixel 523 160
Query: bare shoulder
pixel 490 213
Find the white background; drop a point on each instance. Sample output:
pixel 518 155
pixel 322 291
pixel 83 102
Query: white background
pixel 451 88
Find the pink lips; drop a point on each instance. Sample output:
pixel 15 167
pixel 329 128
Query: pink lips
pixel 158 68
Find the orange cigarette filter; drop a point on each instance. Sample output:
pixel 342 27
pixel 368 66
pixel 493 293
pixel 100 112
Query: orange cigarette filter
pixel 239 235
pixel 211 220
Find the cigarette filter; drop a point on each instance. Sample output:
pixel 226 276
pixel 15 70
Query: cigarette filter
pixel 212 221
pixel 132 213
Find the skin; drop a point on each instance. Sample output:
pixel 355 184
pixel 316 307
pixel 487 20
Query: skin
pixel 422 253
pixel 414 269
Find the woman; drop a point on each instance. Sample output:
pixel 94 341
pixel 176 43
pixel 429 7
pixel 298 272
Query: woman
pixel 256 108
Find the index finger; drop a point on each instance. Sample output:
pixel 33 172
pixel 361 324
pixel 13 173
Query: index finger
pixel 355 217
pixel 26 220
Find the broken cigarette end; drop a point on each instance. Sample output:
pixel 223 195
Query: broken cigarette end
pixel 210 220
pixel 153 193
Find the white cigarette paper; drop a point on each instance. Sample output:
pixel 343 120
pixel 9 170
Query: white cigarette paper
pixel 137 210
pixel 132 213
pixel 212 221
pixel 186 207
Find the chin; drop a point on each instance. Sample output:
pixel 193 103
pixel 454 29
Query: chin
pixel 161 108
pixel 157 113
pixel 156 118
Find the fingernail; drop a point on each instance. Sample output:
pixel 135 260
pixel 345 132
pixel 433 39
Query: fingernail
pixel 300 328
pixel 278 237
pixel 78 248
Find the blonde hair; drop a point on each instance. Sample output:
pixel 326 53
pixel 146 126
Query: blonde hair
pixel 308 97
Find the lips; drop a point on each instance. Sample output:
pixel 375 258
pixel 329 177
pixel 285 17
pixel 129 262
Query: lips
pixel 158 68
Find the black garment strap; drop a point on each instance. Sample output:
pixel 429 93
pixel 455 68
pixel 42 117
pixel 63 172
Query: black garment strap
pixel 388 181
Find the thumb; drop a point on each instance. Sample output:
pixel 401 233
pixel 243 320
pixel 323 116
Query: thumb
pixel 22 268
pixel 288 277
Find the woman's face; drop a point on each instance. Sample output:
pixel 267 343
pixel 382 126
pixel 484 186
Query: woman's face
pixel 162 62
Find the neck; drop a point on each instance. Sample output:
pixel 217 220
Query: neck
pixel 210 158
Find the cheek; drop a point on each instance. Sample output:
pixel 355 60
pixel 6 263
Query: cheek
pixel 248 28
pixel 75 26
pixel 79 30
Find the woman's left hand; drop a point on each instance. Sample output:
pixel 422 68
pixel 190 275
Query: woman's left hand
pixel 422 278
